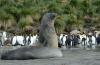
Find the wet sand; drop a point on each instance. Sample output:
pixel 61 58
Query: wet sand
pixel 74 56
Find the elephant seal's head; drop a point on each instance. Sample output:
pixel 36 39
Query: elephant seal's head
pixel 48 18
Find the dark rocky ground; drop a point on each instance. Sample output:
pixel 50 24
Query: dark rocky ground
pixel 74 56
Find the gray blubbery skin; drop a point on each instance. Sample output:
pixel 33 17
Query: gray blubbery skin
pixel 25 53
pixel 47 34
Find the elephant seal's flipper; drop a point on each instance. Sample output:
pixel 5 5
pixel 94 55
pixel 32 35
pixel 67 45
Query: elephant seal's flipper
pixel 31 53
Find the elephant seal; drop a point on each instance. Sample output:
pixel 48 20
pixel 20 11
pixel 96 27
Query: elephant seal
pixel 30 52
pixel 47 34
